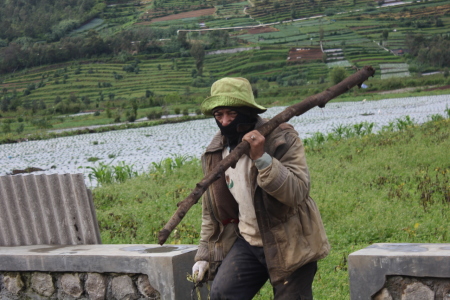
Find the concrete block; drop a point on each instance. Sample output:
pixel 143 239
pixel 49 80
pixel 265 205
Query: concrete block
pixel 369 267
pixel 166 267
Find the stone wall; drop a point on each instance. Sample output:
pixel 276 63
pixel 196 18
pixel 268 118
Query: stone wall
pixel 400 271
pixel 113 272
pixel 67 286
pixel 414 288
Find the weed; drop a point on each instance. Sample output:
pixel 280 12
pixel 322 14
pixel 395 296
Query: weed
pixel 428 187
pixel 339 131
pixel 103 174
pixel 123 172
pixel 447 111
pixel 168 164
pixel 107 174
pixel 343 265
pixel 93 159
pixel 405 122
pixel 437 118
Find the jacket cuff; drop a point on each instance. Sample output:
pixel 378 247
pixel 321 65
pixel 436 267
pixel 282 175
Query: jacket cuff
pixel 264 161
pixel 273 177
pixel 202 254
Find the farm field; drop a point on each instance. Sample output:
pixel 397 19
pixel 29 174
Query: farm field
pixel 356 34
pixel 143 146
pixel 191 14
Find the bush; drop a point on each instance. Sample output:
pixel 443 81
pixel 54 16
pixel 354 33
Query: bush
pixel 6 128
pixel 131 118
pixel 200 82
pixel 41 123
pixel 330 11
pixel 337 74
pixel 20 128
pixel 154 115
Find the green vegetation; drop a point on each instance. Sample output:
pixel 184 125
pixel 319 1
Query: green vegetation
pixel 371 188
pixel 115 61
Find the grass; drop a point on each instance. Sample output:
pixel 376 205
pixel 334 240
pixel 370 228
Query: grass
pixel 388 187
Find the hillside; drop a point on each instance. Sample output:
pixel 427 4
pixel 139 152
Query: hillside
pixel 161 56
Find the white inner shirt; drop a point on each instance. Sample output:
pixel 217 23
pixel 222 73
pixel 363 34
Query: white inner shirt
pixel 239 184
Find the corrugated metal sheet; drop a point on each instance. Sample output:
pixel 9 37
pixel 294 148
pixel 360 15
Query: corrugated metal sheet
pixel 52 209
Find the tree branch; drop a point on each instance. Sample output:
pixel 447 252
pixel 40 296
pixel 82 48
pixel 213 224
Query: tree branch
pixel 294 110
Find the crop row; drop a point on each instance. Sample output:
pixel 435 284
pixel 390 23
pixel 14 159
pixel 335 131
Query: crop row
pixel 142 146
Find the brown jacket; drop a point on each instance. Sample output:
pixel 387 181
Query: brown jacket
pixel 288 218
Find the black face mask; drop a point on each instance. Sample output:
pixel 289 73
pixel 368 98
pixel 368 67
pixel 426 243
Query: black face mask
pixel 237 129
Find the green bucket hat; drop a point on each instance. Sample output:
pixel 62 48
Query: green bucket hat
pixel 230 91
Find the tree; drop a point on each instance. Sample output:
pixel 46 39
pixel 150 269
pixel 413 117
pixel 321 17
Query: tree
pixel 4 105
pixel 148 93
pixel 6 128
pixel 172 98
pixel 276 6
pixel 337 74
pixel 134 105
pixel 385 34
pixel 198 53
pixel 182 39
pixel 86 101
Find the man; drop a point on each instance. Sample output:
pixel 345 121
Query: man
pixel 258 220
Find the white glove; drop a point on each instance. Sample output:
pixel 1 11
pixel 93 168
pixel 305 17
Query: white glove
pixel 200 267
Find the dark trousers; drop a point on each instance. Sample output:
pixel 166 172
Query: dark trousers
pixel 244 271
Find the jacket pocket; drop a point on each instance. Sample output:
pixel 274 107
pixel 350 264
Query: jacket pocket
pixel 304 214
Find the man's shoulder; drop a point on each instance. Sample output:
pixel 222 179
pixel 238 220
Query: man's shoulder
pixel 286 126
pixel 282 129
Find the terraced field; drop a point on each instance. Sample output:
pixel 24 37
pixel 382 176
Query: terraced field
pixel 357 33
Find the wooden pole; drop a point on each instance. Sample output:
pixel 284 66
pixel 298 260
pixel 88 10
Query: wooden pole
pixel 294 110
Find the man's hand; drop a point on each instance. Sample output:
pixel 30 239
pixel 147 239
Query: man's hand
pixel 200 268
pixel 256 141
